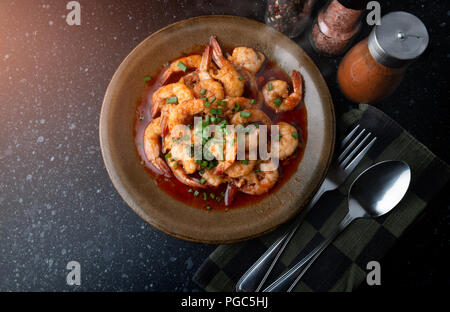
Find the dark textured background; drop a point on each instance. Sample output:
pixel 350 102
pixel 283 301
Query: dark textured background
pixel 57 203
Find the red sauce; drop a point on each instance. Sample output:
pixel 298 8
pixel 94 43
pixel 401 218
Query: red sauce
pixel 180 191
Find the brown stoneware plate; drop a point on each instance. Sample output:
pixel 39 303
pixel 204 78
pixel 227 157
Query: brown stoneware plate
pixel 140 191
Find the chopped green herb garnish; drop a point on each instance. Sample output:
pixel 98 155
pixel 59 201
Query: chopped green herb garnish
pixel 245 114
pixel 182 66
pixel 241 78
pixel 190 190
pixel 216 111
pixel 196 193
pixel 270 86
pixel 147 78
pixel 172 100
pixel 237 107
pixel 207 104
pixel 212 100
pixel 222 194
pixel 227 54
pixel 202 180
pixel 221 103
pixel 169 155
pixel 244 162
pixel 208 207
pixel 212 195
pixel 277 102
pixel 204 99
pixel 252 101
pixel 205 197
pixel 295 135
pixel 213 119
pixel 203 91
pixel 257 170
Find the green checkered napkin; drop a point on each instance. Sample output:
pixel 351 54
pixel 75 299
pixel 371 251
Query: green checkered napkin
pixel 342 266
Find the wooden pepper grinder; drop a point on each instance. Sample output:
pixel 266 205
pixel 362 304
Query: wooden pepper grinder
pixel 336 26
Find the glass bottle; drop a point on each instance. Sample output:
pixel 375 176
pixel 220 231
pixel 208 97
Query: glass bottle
pixel 289 16
pixel 336 26
pixel 373 68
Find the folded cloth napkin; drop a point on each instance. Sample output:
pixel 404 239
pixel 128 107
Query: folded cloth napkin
pixel 343 265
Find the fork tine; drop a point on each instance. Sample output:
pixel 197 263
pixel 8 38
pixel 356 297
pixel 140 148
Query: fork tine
pixel 349 147
pixel 355 161
pixel 348 137
pixel 354 150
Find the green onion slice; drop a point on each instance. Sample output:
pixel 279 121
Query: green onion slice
pixel 182 66
pixel 172 100
pixel 277 102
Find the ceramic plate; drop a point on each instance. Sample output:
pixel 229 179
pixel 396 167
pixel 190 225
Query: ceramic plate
pixel 140 191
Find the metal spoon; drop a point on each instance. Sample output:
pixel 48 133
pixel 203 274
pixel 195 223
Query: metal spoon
pixel 375 191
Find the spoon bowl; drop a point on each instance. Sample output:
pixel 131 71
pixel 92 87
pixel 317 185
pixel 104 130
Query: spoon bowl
pixel 378 189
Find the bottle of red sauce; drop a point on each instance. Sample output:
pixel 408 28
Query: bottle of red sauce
pixel 336 25
pixel 373 68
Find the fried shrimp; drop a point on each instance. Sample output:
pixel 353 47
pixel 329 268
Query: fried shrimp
pixel 240 168
pixel 182 151
pixel 183 114
pixel 251 115
pixel 152 146
pixel 175 92
pixel 232 81
pixel 289 140
pixel 210 130
pixel 224 150
pixel 247 58
pixel 277 97
pixel 213 179
pixel 183 177
pixel 182 64
pixel 207 86
pixel 258 182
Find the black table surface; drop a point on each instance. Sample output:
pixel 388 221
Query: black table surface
pixel 57 203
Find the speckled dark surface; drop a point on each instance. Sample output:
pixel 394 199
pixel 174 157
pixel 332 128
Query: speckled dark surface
pixel 57 203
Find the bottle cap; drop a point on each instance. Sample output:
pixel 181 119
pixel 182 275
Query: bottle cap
pixel 398 40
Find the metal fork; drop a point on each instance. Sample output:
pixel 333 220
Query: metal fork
pixel 353 148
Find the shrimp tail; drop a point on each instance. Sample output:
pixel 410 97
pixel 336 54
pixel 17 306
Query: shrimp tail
pixel 155 109
pixel 297 82
pixel 181 175
pixel 206 59
pixel 161 165
pixel 165 77
pixel 217 54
